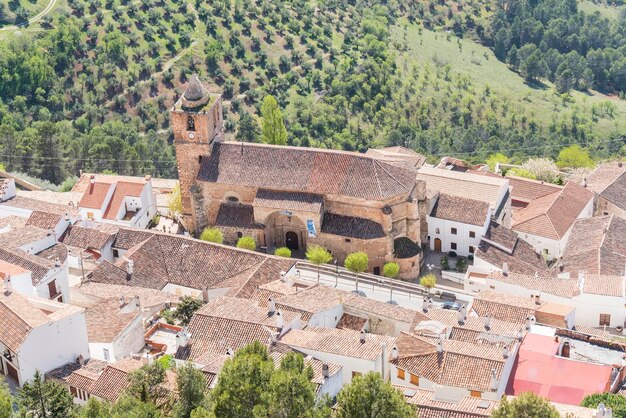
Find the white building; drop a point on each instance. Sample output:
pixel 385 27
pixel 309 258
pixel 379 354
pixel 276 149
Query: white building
pixel 38 334
pixel 457 223
pixel 125 201
pixel 546 222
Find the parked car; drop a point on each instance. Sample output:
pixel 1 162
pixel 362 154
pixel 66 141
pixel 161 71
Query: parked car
pixel 451 305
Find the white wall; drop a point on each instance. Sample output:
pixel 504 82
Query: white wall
pixel 327 318
pixel 462 238
pixel 52 345
pixel 331 386
pixel 349 364
pixel 61 276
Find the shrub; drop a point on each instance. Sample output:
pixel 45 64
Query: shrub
pixel 452 253
pixel 444 263
pixel 212 235
pixel 247 243
pixel 461 265
pixel 283 252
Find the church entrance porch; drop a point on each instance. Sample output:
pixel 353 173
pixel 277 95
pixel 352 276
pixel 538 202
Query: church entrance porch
pixel 291 241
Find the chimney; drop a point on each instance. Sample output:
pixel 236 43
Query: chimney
pixel 80 360
pixel 383 360
pixel 230 352
pixel 182 338
pixel 604 411
pixel 530 320
pixel 505 352
pixel 122 301
pixel 271 306
pixel 8 286
pixel 493 384
pixel 394 353
pixel 619 164
pixel 538 299
pixel 280 321
pixel 282 276
pixel 57 262
pixel 92 182
pixel 325 371
pixel 362 337
pixel 460 316
pixel 439 347
pixel 430 303
pixel 147 177
pixel 130 267
pixel 425 304
pixel 566 350
pixel 505 269
pixel 205 294
pixel 487 322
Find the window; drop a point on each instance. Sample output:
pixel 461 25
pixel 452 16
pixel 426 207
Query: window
pixel 453 231
pixel 472 234
pixel 415 379
pixel 239 234
pixel 471 249
pixel 437 231
pixel 377 271
pixel 475 393
pixel 545 251
pixel 492 287
pixel 107 357
pixel 233 199
pixel 199 159
pixel 52 289
pixel 348 240
pixel 73 391
pixel 605 319
pixel 453 245
pixel 191 124
pixel 89 215
pixel 400 374
pixel 116 254
pixel 606 213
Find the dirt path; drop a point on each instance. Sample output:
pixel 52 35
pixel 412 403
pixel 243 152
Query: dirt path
pixel 9 29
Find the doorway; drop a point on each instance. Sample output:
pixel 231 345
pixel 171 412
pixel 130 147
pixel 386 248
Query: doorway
pixel 437 244
pixel 291 240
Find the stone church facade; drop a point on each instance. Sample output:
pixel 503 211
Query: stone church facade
pixel 293 196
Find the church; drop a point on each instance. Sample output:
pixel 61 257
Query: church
pixel 293 196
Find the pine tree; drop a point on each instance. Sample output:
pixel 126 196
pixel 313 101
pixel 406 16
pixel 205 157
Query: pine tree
pixel 45 399
pixel 191 390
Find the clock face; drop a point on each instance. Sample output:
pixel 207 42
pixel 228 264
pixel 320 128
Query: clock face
pixel 192 135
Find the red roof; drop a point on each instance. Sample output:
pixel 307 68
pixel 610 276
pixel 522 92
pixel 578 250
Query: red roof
pixel 537 369
pixel 94 196
pixel 122 190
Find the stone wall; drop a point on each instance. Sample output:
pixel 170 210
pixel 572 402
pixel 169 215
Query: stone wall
pixel 376 249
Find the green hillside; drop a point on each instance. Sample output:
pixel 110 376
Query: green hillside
pixel 89 86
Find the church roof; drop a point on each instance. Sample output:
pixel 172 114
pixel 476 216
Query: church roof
pixel 305 170
pixel 195 90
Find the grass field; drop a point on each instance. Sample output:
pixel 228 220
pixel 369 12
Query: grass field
pixel 478 63
pixel 610 12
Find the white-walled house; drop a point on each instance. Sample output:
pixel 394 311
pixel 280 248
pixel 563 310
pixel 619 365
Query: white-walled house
pixel 38 334
pixel 546 222
pixel 357 352
pixel 457 223
pixel 125 201
pixel 599 300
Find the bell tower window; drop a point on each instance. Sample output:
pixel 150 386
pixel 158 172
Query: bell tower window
pixel 191 124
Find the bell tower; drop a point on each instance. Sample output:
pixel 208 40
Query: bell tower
pixel 197 123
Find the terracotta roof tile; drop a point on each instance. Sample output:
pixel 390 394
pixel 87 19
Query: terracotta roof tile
pixel 605 175
pixel 105 321
pixel 603 285
pixel 86 238
pixel 122 191
pixel 33 204
pixel 403 247
pixel 295 201
pixel 114 379
pixel 350 226
pixel 127 238
pixel 353 322
pixel 430 406
pixel 399 156
pixel 504 307
pixel 58 250
pixel 526 190
pixel 460 209
pixel 237 216
pixel 38 266
pixel 305 170
pixel 553 215
pixel 94 196
pixel 44 220
pixel 561 287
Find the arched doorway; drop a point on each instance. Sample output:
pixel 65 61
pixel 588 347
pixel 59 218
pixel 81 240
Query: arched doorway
pixel 291 240
pixel 437 244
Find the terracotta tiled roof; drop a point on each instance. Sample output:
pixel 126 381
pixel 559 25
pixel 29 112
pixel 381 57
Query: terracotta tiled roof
pixel 58 250
pixel 365 306
pixel 596 245
pixel 616 192
pixel 237 216
pixel 314 299
pixel 603 285
pixel 460 364
pixel 605 175
pixel 127 238
pixel 526 190
pixel 38 266
pixel 122 190
pixel 500 245
pixel 341 342
pixel 403 247
pixel 44 220
pixel 553 215
pixel 242 310
pixel 399 156
pixel 12 222
pixel 86 238
pixel 147 297
pixel 350 226
pixel 80 377
pixel 114 379
pixel 566 288
pixel 429 406
pixel 486 189
pixel 33 204
pixel 306 202
pixel 27 234
pixel 352 322
pixel 305 170
pixel 460 209
pixel 105 321
pixel 504 307
pixel 94 196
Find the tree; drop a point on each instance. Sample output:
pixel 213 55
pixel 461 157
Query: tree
pixel 191 390
pixel 282 252
pixel 247 243
pixel 391 270
pixel 318 255
pixel 130 407
pixel 243 381
pixel 526 405
pixel 186 307
pixel 370 396
pixel 45 399
pixel 543 169
pixel 146 384
pixel 95 408
pixel 357 264
pixel 273 126
pixel 248 128
pixel 611 400
pixel 6 401
pixel 175 204
pixel 201 412
pixel 495 159
pixel 574 157
pixel 429 281
pixel 212 235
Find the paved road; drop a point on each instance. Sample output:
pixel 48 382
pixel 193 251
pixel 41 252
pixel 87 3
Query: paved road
pixel 382 291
